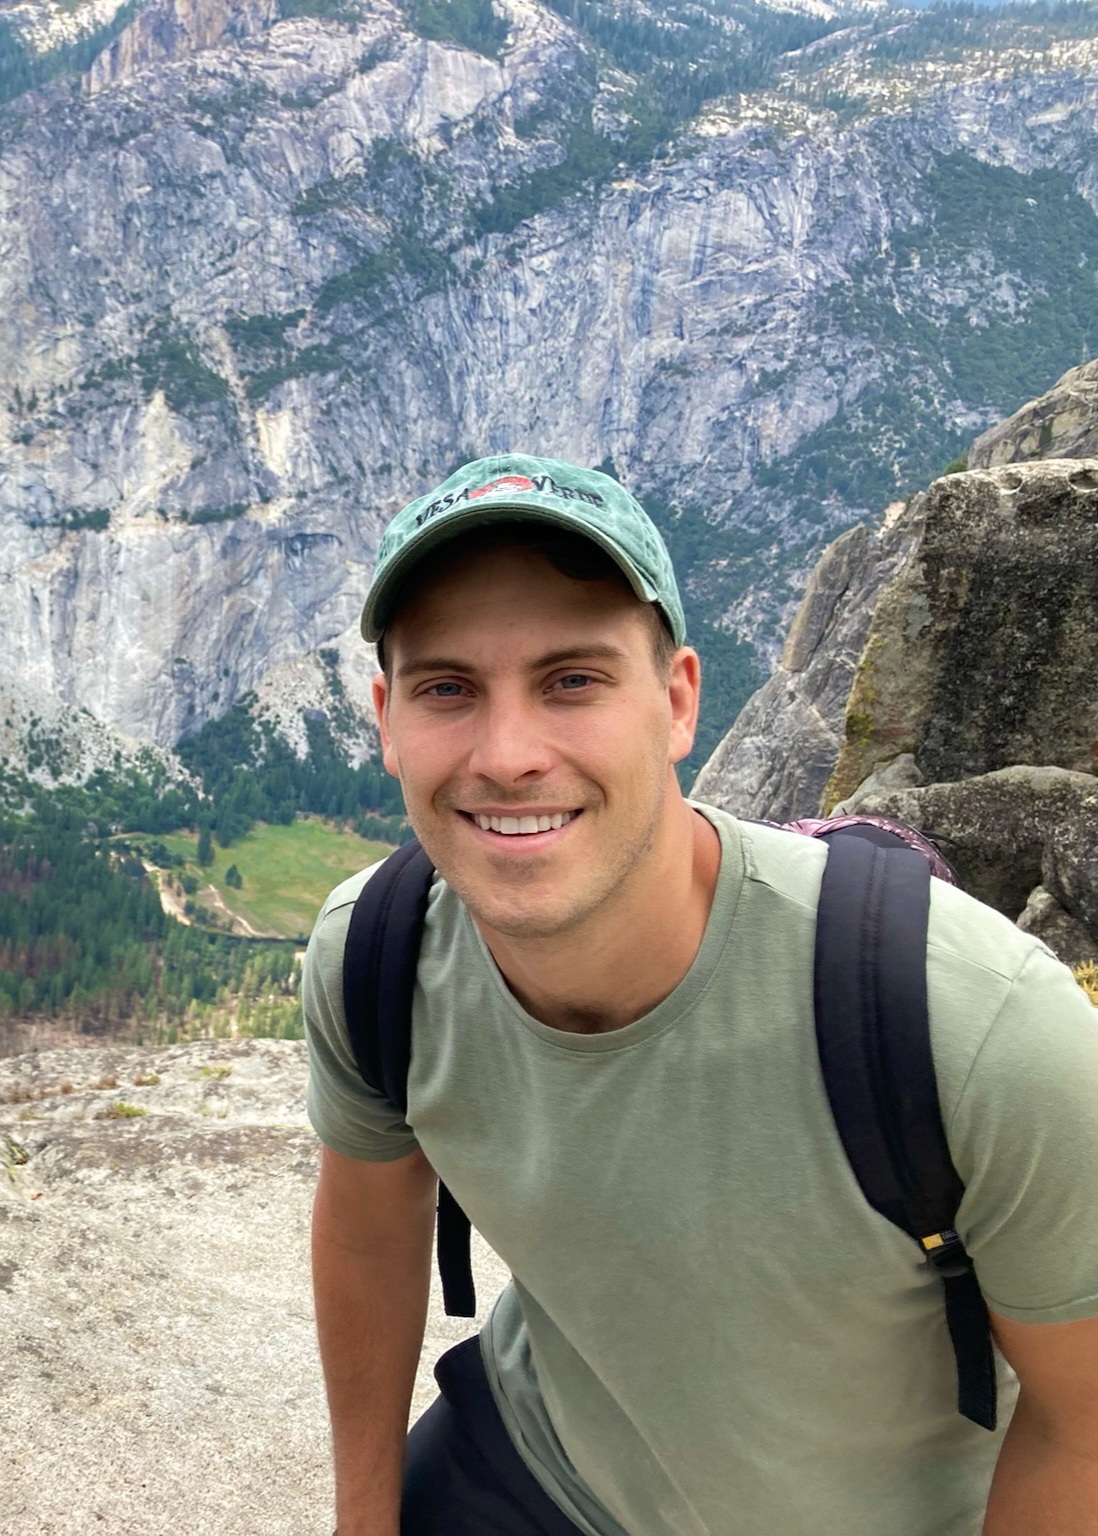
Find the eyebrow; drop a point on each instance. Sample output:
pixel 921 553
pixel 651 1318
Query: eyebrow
pixel 597 651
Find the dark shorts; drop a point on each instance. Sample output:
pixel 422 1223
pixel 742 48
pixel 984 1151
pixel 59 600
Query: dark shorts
pixel 462 1474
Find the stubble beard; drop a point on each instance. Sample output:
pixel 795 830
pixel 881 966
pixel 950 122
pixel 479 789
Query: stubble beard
pixel 617 867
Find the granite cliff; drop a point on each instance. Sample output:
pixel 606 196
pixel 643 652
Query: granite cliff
pixel 268 268
pixel 942 671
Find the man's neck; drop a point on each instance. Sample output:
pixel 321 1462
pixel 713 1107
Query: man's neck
pixel 625 963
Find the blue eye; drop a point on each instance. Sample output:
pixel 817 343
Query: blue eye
pixel 437 690
pixel 575 680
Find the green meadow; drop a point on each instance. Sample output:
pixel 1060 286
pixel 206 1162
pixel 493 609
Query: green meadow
pixel 286 871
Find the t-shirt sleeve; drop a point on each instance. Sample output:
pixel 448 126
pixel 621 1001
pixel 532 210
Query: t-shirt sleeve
pixel 1024 1136
pixel 348 1116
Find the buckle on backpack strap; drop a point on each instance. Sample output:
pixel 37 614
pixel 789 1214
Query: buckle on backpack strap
pixel 947 1253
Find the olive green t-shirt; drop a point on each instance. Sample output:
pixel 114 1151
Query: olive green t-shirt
pixel 708 1331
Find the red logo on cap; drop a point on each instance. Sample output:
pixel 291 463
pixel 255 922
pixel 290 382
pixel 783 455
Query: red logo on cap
pixel 507 483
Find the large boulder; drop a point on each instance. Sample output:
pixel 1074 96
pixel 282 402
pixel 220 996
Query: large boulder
pixel 983 650
pixel 964 634
pixel 1006 832
pixel 1071 866
pixel 942 671
pixel 777 758
pixel 1065 935
pixel 1061 424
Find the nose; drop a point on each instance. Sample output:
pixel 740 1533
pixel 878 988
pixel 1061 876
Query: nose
pixel 510 742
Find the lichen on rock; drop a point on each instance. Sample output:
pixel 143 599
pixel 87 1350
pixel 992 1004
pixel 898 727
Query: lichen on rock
pixel 983 650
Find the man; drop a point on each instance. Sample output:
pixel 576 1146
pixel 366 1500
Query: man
pixel 708 1332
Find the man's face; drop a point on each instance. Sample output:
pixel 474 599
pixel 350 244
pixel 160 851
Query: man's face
pixel 532 737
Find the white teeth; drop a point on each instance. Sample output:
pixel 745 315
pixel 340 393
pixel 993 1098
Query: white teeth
pixel 516 826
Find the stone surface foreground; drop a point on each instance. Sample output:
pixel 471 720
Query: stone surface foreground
pixel 156 1327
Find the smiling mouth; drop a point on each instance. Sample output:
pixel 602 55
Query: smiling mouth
pixel 522 826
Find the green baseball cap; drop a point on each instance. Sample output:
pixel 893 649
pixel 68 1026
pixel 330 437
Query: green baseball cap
pixel 516 487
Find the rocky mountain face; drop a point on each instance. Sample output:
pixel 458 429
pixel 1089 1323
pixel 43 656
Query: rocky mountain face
pixel 779 753
pixel 54 743
pixel 268 269
pixel 1062 423
pixel 155 1297
pixel 942 672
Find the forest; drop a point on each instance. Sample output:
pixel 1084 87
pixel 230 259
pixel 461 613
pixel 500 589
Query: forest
pixel 249 773
pixel 83 938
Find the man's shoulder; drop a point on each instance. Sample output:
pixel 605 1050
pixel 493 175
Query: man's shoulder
pixel 962 931
pixel 975 954
pixel 983 972
pixel 347 892
pixel 965 932
pixel 788 864
pixel 334 916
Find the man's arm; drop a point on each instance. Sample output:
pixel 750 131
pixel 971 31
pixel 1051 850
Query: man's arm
pixel 372 1229
pixel 1046 1481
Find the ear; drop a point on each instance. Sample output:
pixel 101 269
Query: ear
pixel 380 690
pixel 684 693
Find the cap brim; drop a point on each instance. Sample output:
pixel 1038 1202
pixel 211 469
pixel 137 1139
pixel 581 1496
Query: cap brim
pixel 375 614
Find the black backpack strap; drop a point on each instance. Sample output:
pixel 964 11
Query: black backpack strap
pixel 379 969
pixel 873 1034
pixel 455 1266
pixel 380 958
